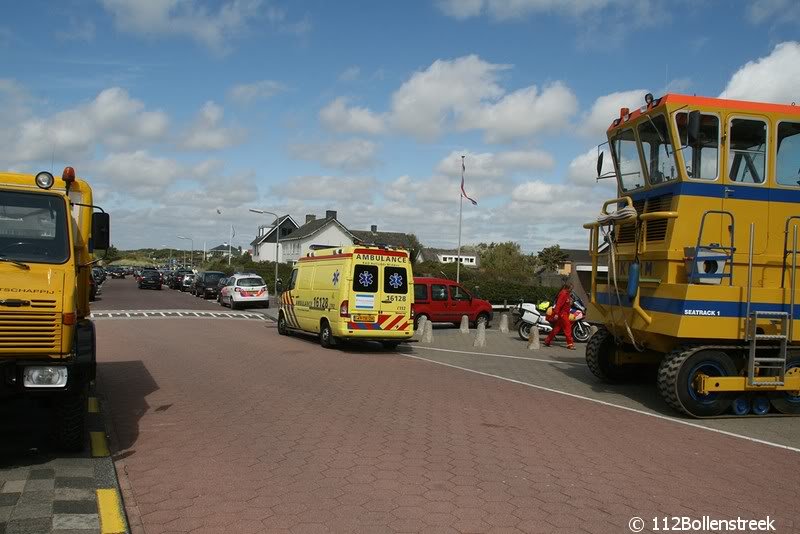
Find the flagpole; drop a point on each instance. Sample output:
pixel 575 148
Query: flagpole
pixel 230 242
pixel 460 211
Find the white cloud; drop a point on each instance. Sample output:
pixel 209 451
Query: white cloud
pixel 495 165
pixel 339 117
pixel 207 132
pixel 191 18
pixel 460 95
pixel 113 119
pixel 774 78
pixel 348 155
pixel 138 173
pixel 328 188
pixel 778 11
pixel 606 108
pixel 515 9
pixel 350 74
pixel 522 113
pixel 247 93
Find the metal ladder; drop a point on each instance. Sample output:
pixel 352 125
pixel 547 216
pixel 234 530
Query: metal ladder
pixel 754 362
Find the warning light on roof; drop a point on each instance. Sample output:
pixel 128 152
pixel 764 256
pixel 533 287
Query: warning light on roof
pixel 68 175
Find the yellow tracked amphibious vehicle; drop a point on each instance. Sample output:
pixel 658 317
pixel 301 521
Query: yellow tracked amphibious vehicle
pixel 702 245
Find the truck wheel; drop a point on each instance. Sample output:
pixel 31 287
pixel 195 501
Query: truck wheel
pixel 600 354
pixel 70 421
pixel 326 338
pixel 677 377
pixel 788 401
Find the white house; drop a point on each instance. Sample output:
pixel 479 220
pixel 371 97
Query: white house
pixel 264 244
pixel 469 256
pixel 320 232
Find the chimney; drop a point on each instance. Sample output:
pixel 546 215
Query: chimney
pixel 330 214
pixel 310 217
pixel 373 228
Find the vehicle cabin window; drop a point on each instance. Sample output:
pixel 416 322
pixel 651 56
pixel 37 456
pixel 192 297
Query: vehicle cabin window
pixel 395 280
pixel 748 147
pixel 701 157
pixel 657 150
pixel 365 278
pixel 788 160
pixel 459 293
pixel 292 280
pixel 250 282
pixel 438 292
pixel 420 292
pixel 626 157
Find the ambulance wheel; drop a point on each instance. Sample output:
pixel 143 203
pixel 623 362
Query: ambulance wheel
pixel 282 329
pixel 600 357
pixel 788 401
pixel 417 319
pixel 326 338
pixel 390 345
pixel 678 375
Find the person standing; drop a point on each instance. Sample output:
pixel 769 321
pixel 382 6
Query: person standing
pixel 561 311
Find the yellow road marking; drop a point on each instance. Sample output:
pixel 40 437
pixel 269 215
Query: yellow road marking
pixel 94 406
pixel 109 508
pixel 99 444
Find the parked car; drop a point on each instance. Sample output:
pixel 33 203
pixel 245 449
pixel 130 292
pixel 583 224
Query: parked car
pixel 186 282
pixel 445 301
pixel 176 280
pixel 205 284
pixel 94 288
pixel 99 274
pixel 150 279
pixel 244 290
pixel 116 272
pixel 222 283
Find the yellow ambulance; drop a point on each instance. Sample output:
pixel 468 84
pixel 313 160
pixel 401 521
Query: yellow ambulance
pixel 358 292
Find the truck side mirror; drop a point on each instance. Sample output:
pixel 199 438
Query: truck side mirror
pixel 693 127
pixel 600 164
pixel 101 231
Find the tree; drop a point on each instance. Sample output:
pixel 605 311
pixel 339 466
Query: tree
pixel 506 261
pixel 549 258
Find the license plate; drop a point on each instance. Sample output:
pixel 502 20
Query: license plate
pixel 364 318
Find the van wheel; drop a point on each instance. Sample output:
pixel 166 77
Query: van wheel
pixel 482 318
pixel 417 318
pixel 390 345
pixel 282 329
pixel 326 338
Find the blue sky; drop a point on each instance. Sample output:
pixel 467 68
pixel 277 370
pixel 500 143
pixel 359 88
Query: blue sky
pixel 176 110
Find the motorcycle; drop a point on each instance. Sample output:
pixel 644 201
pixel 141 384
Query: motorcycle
pixel 527 315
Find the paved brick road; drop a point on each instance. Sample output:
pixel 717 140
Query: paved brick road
pixel 224 426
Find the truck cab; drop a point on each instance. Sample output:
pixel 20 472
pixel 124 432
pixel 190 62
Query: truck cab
pixel 48 233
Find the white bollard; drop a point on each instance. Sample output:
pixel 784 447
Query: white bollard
pixel 480 337
pixel 533 339
pixel 421 322
pixel 464 324
pixel 504 323
pixel 427 337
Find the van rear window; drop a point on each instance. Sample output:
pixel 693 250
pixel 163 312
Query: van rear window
pixel 395 280
pixel 365 278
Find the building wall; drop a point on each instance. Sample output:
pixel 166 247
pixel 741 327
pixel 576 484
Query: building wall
pixel 266 252
pixel 469 261
pixel 296 249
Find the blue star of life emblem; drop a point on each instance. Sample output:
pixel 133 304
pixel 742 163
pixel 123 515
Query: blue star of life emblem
pixel 365 279
pixel 396 280
pixel 336 277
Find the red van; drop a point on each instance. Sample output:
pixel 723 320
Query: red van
pixel 445 301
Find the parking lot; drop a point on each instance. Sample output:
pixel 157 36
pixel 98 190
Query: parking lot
pixel 218 424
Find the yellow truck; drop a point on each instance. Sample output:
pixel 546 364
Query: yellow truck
pixel 357 292
pixel 48 233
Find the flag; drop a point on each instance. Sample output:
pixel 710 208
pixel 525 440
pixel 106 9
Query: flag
pixel 463 192
pixel 233 232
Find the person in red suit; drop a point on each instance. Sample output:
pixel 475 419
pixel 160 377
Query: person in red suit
pixel 560 319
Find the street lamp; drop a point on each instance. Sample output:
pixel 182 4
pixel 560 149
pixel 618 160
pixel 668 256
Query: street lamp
pixel 191 254
pixel 277 241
